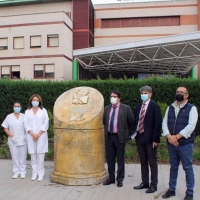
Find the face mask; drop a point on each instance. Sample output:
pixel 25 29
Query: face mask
pixel 179 97
pixel 35 103
pixel 16 109
pixel 113 100
pixel 144 97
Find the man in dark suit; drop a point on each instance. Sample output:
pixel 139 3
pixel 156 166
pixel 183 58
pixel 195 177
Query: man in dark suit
pixel 117 120
pixel 147 127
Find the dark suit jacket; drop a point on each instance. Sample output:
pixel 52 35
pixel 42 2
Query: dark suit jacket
pixel 152 122
pixel 124 122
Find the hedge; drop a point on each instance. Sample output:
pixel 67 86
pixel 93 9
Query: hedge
pixel 163 91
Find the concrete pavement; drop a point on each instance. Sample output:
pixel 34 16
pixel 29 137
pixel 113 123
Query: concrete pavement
pixel 25 189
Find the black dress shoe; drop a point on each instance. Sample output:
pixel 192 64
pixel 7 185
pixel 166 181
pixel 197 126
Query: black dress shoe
pixel 168 194
pixel 152 189
pixel 119 184
pixel 141 186
pixel 188 197
pixel 108 182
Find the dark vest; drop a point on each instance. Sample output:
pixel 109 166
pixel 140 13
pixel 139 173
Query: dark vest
pixel 175 125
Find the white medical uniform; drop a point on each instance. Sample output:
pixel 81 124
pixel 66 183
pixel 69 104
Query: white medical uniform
pixel 17 144
pixel 38 148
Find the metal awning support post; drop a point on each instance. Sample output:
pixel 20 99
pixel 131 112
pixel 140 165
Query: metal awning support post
pixel 193 73
pixel 75 71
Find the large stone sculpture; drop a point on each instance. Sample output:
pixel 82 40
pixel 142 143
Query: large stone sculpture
pixel 79 138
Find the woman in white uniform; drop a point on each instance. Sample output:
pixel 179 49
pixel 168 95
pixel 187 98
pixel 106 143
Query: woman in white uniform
pixel 14 128
pixel 36 122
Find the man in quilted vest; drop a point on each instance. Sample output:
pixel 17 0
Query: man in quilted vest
pixel 178 126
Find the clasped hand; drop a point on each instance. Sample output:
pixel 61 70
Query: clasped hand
pixel 35 136
pixel 172 139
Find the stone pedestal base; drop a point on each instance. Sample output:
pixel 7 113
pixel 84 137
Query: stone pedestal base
pixel 79 180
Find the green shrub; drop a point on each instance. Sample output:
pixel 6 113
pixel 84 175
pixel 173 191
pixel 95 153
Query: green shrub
pixel 4 149
pixel 50 154
pixel 51 128
pixel 163 93
pixel 163 107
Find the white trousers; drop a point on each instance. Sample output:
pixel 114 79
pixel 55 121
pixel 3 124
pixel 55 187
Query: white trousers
pixel 19 155
pixel 37 162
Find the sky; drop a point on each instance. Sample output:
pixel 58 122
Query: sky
pixel 119 1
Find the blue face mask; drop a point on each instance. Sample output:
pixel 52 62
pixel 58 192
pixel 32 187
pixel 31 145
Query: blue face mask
pixel 144 97
pixel 16 109
pixel 35 103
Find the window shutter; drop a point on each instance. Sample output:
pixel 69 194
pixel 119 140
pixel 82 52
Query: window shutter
pixel 35 41
pixel 53 40
pixel 19 43
pixel 3 42
pixel 15 68
pixel 5 70
pixel 49 68
pixel 38 67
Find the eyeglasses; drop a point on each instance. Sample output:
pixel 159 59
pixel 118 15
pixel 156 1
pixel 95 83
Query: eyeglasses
pixel 181 92
pixel 113 96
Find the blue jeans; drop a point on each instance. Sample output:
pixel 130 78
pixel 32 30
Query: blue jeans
pixel 181 153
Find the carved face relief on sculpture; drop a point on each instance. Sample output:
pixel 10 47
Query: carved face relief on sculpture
pixel 81 96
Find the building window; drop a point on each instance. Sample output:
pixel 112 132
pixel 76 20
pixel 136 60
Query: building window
pixel 39 71
pixel 44 71
pixel 18 42
pixel 12 72
pixel 52 41
pixel 49 71
pixel 3 43
pixel 141 22
pixel 15 72
pixel 35 41
pixel 5 71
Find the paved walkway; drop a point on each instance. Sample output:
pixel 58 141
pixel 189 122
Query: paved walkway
pixel 25 189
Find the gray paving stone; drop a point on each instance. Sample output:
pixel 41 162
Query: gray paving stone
pixel 25 189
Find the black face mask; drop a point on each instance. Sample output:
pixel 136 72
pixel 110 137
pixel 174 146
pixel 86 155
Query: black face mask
pixel 179 97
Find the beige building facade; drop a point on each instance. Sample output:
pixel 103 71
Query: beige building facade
pixel 36 41
pixel 120 23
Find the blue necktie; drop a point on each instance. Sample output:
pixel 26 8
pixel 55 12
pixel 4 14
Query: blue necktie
pixel 112 120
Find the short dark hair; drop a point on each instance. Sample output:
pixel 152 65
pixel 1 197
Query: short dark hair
pixel 186 90
pixel 117 92
pixel 17 102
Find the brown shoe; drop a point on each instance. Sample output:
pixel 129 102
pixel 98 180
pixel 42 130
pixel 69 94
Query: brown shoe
pixel 119 184
pixel 108 182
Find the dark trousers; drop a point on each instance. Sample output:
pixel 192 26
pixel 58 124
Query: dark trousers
pixel 115 149
pixel 148 157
